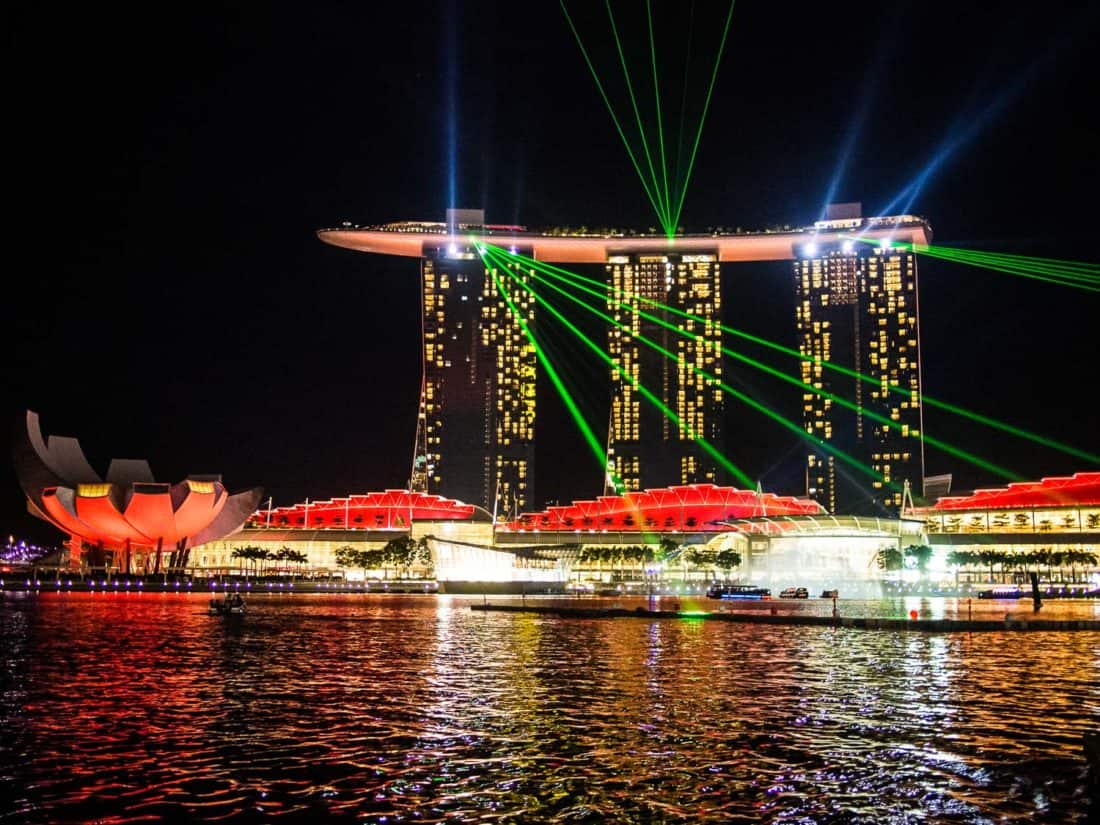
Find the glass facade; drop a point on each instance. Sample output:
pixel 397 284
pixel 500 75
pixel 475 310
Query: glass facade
pixel 857 308
pixel 476 427
pixel 646 448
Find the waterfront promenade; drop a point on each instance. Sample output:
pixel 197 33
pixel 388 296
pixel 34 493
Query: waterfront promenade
pixel 1013 619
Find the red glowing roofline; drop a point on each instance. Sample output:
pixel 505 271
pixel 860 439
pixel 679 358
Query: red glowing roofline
pixel 684 508
pixel 1055 491
pixel 383 510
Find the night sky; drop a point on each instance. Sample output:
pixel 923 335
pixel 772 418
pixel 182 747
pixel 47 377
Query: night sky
pixel 167 168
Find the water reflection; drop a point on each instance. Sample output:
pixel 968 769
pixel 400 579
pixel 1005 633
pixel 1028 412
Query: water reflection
pixel 122 707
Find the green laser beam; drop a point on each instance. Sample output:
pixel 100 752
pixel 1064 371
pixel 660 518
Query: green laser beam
pixel 644 391
pixel 1086 267
pixel 702 119
pixel 1058 275
pixel 714 380
pixel 1043 277
pixel 609 471
pixel 578 419
pixel 985 420
pixel 1082 282
pixel 958 452
pixel 1075 273
pixel 1058 270
pixel 683 101
pixel 611 111
pixel 800 431
pixel 664 216
pixel 657 99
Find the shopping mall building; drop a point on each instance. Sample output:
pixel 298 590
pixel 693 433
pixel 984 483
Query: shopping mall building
pixel 781 541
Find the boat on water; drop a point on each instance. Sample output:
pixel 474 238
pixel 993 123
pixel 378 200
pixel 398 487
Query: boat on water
pixel 738 591
pixel 232 605
pixel 1009 592
pixel 829 594
pixel 794 593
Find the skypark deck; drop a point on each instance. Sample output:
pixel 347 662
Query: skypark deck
pixel 411 239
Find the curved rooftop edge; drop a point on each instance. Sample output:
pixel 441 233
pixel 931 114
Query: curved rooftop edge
pixel 1080 489
pixel 698 507
pixel 415 239
pixel 384 510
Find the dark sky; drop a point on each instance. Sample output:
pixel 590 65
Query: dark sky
pixel 167 169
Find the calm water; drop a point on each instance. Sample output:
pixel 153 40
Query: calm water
pixel 123 708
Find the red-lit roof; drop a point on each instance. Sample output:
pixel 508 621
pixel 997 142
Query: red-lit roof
pixel 692 507
pixel 1078 489
pixel 388 510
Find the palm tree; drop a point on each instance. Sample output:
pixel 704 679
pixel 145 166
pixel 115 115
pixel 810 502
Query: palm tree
pixel 1058 559
pixel 669 548
pixel 1079 557
pixel 401 552
pixel 423 555
pixel 727 560
pixel 346 556
pixel 286 554
pixel 701 558
pixel 263 555
pixel 240 554
pixel 888 559
pixel 991 557
pixel 922 553
pixel 250 553
pixel 961 558
pixel 1041 557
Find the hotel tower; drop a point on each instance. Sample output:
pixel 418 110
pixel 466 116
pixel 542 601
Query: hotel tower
pixel 475 438
pixel 857 308
pixel 646 448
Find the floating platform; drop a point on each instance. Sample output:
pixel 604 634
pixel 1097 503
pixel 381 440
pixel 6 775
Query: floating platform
pixel 1010 622
pixel 506 588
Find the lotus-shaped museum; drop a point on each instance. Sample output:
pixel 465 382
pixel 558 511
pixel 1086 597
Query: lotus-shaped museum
pixel 127 510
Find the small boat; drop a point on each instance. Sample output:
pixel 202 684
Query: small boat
pixel 737 591
pixel 794 593
pixel 1001 593
pixel 830 594
pixel 228 606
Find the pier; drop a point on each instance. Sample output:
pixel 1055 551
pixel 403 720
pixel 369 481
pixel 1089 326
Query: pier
pixel 1011 621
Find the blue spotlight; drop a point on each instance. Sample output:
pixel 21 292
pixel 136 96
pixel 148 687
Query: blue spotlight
pixel 970 122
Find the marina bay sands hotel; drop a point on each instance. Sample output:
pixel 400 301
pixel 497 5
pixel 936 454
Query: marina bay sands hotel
pixel 854 282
